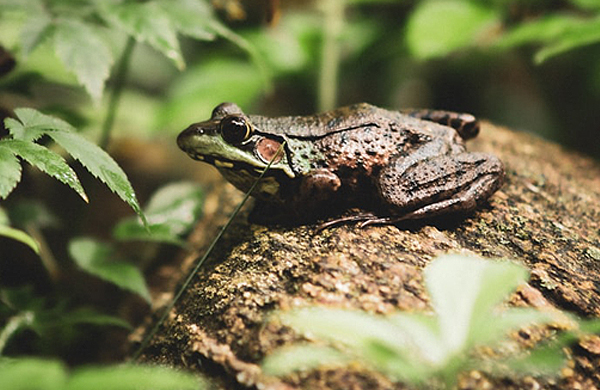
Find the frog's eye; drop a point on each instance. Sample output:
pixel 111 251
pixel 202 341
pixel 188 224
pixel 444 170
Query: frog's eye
pixel 235 129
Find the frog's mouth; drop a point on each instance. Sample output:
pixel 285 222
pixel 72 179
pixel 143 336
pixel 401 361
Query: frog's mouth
pixel 223 163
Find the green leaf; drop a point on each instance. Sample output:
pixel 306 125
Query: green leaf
pixel 545 360
pixel 99 259
pixel 582 35
pixel 586 4
pixel 558 34
pixel 31 373
pixel 177 204
pixel 414 347
pixel 541 30
pixel 131 230
pixel 301 357
pixel 196 90
pixel 89 316
pixel 373 340
pixel 92 157
pixel 10 171
pixel 464 291
pixel 132 377
pixel 289 47
pixel 46 161
pixel 146 22
pixel 342 326
pixel 36 30
pixel 439 27
pixel 190 17
pixel 171 212
pixel 32 124
pixel 100 164
pixel 84 53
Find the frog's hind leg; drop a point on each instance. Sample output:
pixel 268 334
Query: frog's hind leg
pixel 465 124
pixel 465 202
pixel 439 185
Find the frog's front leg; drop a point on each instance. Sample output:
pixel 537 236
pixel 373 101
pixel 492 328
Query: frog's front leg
pixel 437 185
pixel 316 193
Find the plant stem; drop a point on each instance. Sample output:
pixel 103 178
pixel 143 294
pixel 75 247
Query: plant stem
pixel 14 325
pixel 115 95
pixel 333 11
pixel 46 256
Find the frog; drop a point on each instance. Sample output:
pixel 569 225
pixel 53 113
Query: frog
pixel 358 163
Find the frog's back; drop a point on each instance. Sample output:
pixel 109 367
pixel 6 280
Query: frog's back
pixel 320 125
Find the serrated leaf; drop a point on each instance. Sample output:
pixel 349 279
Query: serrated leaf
pixel 99 259
pixel 99 163
pixel 10 171
pixel 92 157
pixel 149 23
pixel 33 124
pixel 48 162
pixel 439 27
pixel 83 52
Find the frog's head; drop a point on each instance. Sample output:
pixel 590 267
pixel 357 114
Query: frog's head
pixel 230 142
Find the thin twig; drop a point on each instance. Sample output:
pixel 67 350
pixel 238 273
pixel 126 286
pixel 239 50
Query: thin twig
pixel 194 271
pixel 330 53
pixel 115 95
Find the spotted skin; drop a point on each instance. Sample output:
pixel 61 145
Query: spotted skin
pixel 392 165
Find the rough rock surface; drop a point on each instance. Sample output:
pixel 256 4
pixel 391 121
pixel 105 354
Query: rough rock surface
pixel 546 216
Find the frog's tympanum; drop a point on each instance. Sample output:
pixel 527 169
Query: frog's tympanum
pixel 392 165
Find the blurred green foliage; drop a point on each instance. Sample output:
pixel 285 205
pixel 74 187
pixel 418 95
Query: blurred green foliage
pixel 430 350
pixel 31 373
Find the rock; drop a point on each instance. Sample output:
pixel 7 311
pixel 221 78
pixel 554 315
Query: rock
pixel 546 216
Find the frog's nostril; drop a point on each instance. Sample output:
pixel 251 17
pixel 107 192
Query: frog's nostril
pixel 185 134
